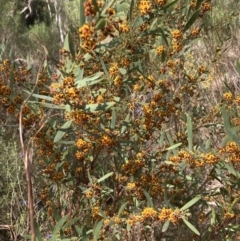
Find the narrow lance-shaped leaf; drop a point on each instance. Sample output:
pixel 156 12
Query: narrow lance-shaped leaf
pixel 68 45
pixel 11 79
pixel 126 122
pixel 238 67
pixel 90 80
pixel 192 19
pixel 189 132
pixel 122 208
pixel 171 143
pixel 170 4
pixel 199 2
pixel 38 232
pixel 96 230
pixel 122 6
pixel 165 226
pixel 191 226
pixel 59 224
pixel 62 131
pixel 43 97
pixel 49 105
pixel 82 13
pixel 98 107
pixel 70 223
pixel 161 140
pixel 174 146
pixel 149 199
pixel 102 22
pixel 191 203
pixel 228 128
pixel 131 10
pixel 104 67
pixel 213 217
pixel 105 177
pixel 113 121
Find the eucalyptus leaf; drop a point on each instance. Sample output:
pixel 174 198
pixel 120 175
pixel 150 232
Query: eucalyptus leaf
pixel 191 226
pixel 96 230
pixel 149 199
pixel 59 224
pixel 105 177
pixel 191 203
pixel 99 107
pixel 62 131
pixel 189 132
pixel 122 208
pixel 43 97
pixel 165 226
pixel 192 19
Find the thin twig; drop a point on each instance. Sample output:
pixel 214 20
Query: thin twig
pixel 27 152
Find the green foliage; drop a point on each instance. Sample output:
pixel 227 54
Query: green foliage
pixel 127 143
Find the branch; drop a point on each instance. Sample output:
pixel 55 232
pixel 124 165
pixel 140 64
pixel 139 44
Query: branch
pixel 28 7
pixel 27 152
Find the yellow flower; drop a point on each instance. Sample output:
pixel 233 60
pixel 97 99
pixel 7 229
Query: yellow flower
pixel 228 96
pixel 165 214
pixel 149 213
pixel 175 216
pixel 160 49
pixel 177 34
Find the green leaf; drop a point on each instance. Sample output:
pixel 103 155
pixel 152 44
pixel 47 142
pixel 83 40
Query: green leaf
pixel 165 226
pixel 169 4
pixel 113 120
pixel 49 105
pixel 198 5
pixel 120 7
pixel 189 132
pixel 149 199
pixel 55 237
pixel 55 213
pixel 138 22
pixel 191 226
pixel 27 236
pixel 68 45
pixel 125 123
pixel 101 23
pixel 62 131
pixel 192 19
pixel 228 128
pixel 96 230
pixel 191 203
pixel 123 71
pixel 174 146
pixel 43 97
pixel 59 225
pixel 38 232
pixel 213 217
pixel 69 65
pixel 11 79
pixel 104 67
pixel 231 169
pixel 171 143
pixel 70 223
pixel 78 229
pixel 238 67
pixel 131 10
pixel 122 208
pixel 98 107
pixel 90 80
pixel 105 177
pixel 82 13
pixel 161 140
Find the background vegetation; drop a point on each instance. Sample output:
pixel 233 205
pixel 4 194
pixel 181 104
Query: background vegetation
pixel 119 120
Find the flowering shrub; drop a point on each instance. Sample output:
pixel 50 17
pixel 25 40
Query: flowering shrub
pixel 118 132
